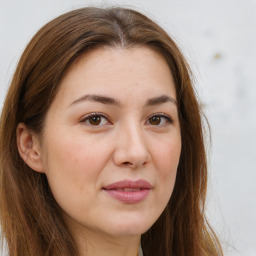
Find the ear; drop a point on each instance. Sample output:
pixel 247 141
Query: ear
pixel 29 148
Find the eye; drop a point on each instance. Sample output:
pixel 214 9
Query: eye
pixel 159 120
pixel 95 119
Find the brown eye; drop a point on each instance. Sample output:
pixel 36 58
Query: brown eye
pixel 160 120
pixel 155 120
pixel 94 120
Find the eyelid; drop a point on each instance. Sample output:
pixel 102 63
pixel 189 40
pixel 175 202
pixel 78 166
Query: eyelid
pixel 167 117
pixel 87 116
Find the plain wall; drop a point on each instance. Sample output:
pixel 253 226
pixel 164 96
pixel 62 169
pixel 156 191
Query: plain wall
pixel 219 39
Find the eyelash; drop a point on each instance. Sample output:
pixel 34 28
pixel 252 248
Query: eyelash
pixel 86 118
pixel 167 118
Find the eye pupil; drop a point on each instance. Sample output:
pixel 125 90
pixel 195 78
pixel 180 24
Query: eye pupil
pixel 95 120
pixel 155 120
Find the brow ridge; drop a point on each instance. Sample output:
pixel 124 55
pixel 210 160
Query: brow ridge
pixel 97 98
pixel 111 101
pixel 160 100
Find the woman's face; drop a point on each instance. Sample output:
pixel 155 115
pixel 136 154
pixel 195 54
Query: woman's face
pixel 111 142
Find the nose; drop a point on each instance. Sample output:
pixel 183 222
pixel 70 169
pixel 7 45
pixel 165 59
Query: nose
pixel 131 147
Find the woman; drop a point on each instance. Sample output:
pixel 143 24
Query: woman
pixel 101 143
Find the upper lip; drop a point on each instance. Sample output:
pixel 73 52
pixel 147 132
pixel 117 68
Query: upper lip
pixel 141 184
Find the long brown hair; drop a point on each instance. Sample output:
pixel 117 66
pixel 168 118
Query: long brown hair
pixel 30 218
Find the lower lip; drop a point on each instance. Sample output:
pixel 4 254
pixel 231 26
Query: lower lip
pixel 128 197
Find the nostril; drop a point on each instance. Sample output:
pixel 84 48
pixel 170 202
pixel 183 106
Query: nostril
pixel 127 163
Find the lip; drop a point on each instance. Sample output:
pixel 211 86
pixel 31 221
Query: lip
pixel 128 191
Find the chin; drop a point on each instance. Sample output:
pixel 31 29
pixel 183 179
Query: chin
pixel 129 226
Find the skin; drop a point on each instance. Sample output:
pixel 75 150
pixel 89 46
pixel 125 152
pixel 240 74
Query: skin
pixel 80 156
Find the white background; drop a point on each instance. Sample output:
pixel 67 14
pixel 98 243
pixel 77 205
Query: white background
pixel 219 39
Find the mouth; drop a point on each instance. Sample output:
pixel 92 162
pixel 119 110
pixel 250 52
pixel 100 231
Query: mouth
pixel 128 189
pixel 129 192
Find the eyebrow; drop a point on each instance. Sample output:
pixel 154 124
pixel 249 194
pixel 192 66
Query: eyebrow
pixel 160 100
pixel 111 101
pixel 97 98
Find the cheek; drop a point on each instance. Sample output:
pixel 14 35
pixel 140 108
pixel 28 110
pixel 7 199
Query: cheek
pixel 166 161
pixel 167 157
pixel 74 155
pixel 73 167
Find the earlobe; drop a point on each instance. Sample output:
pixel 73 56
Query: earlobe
pixel 29 148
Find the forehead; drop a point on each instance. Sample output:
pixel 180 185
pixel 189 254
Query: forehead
pixel 119 72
